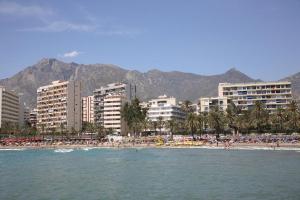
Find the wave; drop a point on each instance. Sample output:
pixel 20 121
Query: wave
pixel 87 148
pixel 239 148
pixel 63 150
pixel 10 149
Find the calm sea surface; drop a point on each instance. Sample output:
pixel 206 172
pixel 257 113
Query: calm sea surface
pixel 150 174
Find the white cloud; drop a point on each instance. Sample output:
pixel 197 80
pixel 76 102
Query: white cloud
pixel 62 26
pixel 12 8
pixel 71 54
pixel 50 21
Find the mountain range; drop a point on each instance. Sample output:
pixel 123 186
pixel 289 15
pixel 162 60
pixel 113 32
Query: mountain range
pixel 149 84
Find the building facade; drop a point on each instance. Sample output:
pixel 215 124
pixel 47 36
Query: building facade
pixel 9 108
pixel 33 118
pixel 166 108
pixel 112 113
pixel 108 101
pixel 244 95
pixel 59 106
pixel 206 104
pixel 88 109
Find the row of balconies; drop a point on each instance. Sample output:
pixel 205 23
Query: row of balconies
pixel 260 87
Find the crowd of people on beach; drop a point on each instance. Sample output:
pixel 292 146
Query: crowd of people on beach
pixel 153 141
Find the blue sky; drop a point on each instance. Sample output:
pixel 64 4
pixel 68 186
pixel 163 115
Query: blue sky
pixel 258 37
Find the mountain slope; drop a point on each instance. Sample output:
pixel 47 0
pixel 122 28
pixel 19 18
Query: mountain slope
pixel 149 84
pixel 295 80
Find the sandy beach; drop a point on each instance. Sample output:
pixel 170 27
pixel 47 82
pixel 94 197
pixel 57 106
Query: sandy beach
pixel 250 146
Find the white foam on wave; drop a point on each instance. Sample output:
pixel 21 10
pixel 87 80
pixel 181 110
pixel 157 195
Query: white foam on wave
pixel 63 150
pixel 10 149
pixel 250 148
pixel 87 148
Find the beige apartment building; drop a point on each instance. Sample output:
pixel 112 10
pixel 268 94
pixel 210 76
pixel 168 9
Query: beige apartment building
pixel 112 113
pixel 108 101
pixel 273 94
pixel 9 108
pixel 59 106
pixel 206 104
pixel 88 109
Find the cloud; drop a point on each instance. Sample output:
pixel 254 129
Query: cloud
pixel 62 26
pixel 52 22
pixel 71 54
pixel 119 32
pixel 12 8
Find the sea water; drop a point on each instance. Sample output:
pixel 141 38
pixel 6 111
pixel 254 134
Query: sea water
pixel 149 174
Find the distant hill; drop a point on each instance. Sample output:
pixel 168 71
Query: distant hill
pixel 295 79
pixel 149 85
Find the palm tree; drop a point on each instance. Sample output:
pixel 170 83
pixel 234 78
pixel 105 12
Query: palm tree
pixel 278 118
pixel 217 120
pixel 259 116
pixel 172 125
pixel 160 123
pixel 232 114
pixel 133 114
pixel 244 121
pixel 145 124
pixel 100 130
pixel 192 123
pixel 200 124
pixel 154 126
pixel 186 106
pixel 293 115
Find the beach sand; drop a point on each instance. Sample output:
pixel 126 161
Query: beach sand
pixel 250 146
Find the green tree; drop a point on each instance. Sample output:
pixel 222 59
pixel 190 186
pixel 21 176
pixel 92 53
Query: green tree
pixel 260 117
pixel 133 114
pixel 200 124
pixel 160 123
pixel 232 115
pixel 186 106
pixel 293 116
pixel 217 120
pixel 154 126
pixel 244 121
pixel 192 123
pixel 277 120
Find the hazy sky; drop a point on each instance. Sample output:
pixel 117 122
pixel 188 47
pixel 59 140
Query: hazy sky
pixel 258 37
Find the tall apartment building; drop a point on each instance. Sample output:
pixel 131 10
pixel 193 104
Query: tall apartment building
pixel 165 107
pixel 206 104
pixel 88 109
pixel 9 108
pixel 33 118
pixel 23 115
pixel 273 94
pixel 59 106
pixel 104 110
pixel 112 113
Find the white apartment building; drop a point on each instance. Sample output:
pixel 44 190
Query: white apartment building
pixel 273 94
pixel 165 107
pixel 112 113
pixel 88 109
pixel 59 106
pixel 206 104
pixel 23 115
pixel 114 93
pixel 9 108
pixel 33 118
